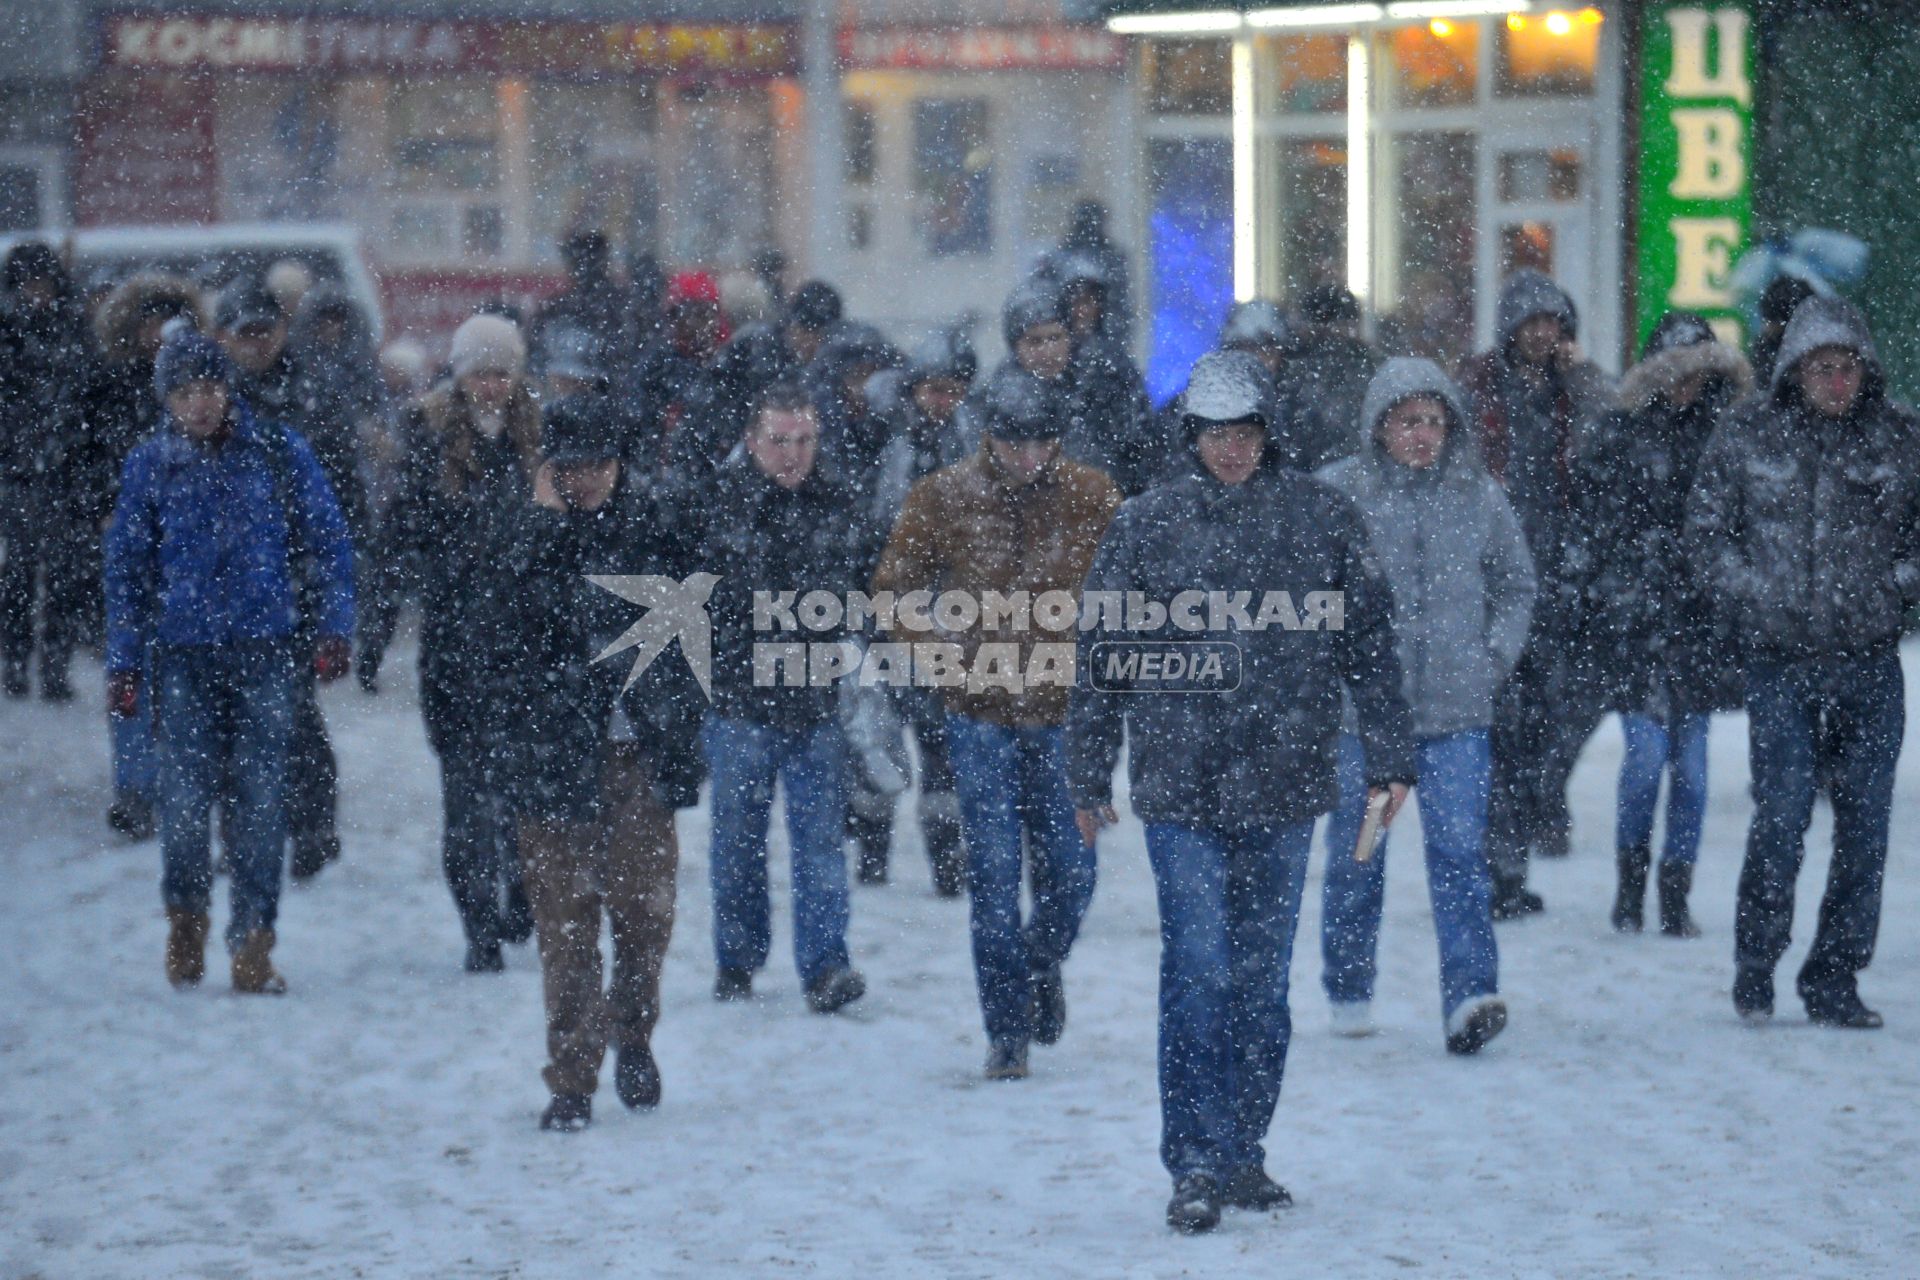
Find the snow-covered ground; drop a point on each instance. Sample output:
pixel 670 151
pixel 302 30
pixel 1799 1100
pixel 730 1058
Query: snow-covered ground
pixel 380 1120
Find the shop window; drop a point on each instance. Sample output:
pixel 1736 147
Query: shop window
pixel 1549 55
pixel 444 137
pixel 1302 75
pixel 1526 246
pixel 1189 77
pixel 953 176
pixel 280 146
pixel 483 231
pixel 420 231
pixel 860 142
pixel 1310 196
pixel 1434 226
pixel 720 185
pixel 1436 65
pixel 1535 177
pixel 1053 187
pixel 594 165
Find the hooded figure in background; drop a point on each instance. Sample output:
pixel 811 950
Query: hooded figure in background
pixel 1463 588
pixel 674 391
pixel 48 521
pixel 1322 379
pixel 1665 661
pixel 1527 399
pixel 852 433
pixel 1805 523
pixel 1088 241
pixel 1110 423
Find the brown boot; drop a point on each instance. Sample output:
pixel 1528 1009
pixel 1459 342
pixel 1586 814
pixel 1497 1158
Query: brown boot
pixel 253 972
pixel 186 946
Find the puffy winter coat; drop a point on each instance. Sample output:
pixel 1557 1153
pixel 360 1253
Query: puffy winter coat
pixel 1110 425
pixel 204 538
pixel 1322 381
pixel 1264 752
pixel 965 529
pixel 125 411
pixel 756 536
pixel 1808 527
pixel 1648 624
pixel 1452 552
pixel 916 446
pixel 563 708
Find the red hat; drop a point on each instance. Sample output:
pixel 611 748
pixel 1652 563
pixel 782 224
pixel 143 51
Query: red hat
pixel 692 286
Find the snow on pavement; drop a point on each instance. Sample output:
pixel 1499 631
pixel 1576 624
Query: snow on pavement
pixel 380 1120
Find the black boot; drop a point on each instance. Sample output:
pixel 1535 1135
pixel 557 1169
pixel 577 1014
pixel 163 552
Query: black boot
pixel 516 919
pixel 484 957
pixel 1249 1187
pixel 1630 902
pixel 872 836
pixel 131 816
pixel 1512 899
pixel 1047 1004
pixel 1676 882
pixel 568 1113
pixel 1195 1206
pixel 940 821
pixel 311 854
pixel 636 1078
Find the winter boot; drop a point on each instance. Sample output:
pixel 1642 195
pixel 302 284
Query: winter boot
pixel 1676 882
pixel 636 1078
pixel 516 919
pixel 835 989
pixel 1007 1060
pixel 186 946
pixel 1351 1019
pixel 484 957
pixel 1512 899
pixel 567 1113
pixel 1630 900
pixel 872 836
pixel 940 821
pixel 1474 1024
pixel 16 677
pixel 733 984
pixel 1753 995
pixel 1837 1004
pixel 253 972
pixel 131 816
pixel 1195 1207
pixel 1047 1004
pixel 1249 1187
pixel 311 854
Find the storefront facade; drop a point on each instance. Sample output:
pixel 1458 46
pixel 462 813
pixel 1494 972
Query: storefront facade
pixel 1414 153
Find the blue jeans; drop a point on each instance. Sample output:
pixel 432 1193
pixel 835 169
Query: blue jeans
pixel 744 759
pixel 136 761
pixel 1853 712
pixel 1452 794
pixel 1680 751
pixel 226 712
pixel 1009 779
pixel 1229 902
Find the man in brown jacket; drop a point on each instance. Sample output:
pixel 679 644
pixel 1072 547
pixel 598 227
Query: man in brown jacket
pixel 1014 521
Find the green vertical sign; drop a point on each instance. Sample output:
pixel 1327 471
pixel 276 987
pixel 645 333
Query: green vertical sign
pixel 1696 159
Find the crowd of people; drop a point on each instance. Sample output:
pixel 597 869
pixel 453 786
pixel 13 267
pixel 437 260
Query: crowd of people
pixel 235 496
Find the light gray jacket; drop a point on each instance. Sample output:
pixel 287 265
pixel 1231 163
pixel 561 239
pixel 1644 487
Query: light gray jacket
pixel 1448 543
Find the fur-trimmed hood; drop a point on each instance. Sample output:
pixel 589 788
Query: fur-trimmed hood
pixel 117 322
pixel 1659 374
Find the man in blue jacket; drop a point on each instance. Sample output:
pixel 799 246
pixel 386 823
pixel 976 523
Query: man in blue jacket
pixel 224 525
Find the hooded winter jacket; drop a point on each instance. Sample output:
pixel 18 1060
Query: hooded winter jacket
pixel 1451 551
pixel 1808 527
pixel 1321 382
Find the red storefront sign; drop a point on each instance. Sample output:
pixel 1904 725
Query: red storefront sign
pixel 1056 48
pixel 144 152
pixel 344 46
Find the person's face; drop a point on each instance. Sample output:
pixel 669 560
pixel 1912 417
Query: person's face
pixel 784 444
pixel 200 407
pixel 805 342
pixel 1830 379
pixel 939 398
pixel 586 486
pixel 1231 452
pixel 488 388
pixel 256 345
pixel 1539 340
pixel 1045 350
pixel 1414 432
pixel 1084 311
pixel 1022 461
pixel 330 330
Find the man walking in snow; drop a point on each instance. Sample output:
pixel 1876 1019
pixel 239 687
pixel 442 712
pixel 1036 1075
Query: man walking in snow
pixel 1229 781
pixel 217 512
pixel 1805 518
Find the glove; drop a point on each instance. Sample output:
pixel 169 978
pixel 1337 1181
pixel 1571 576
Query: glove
pixel 331 659
pixel 123 694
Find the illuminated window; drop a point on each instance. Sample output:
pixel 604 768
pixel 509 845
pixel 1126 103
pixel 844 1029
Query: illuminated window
pixel 1189 77
pixel 1553 55
pixel 1533 177
pixel 1305 74
pixel 1437 65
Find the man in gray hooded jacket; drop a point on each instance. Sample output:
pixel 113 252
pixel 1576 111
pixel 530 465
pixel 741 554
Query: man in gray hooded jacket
pixel 1463 586
pixel 1805 519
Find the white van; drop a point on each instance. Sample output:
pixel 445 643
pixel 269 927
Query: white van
pixel 211 256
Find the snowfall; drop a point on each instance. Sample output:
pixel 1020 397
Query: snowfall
pixel 381 1119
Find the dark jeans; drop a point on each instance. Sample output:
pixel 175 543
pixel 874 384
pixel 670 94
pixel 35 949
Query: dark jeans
pixel 313 775
pixel 43 571
pixel 478 851
pixel 1015 780
pixel 226 711
pixel 1678 750
pixel 1229 902
pixel 1544 715
pixel 1857 707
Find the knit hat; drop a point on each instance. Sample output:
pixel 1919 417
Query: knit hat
pixel 1021 407
pixel 1225 386
pixel 487 344
pixel 187 355
pixel 580 429
pixel 1034 303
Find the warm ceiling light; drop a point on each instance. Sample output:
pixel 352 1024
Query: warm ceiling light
pixel 1326 15
pixel 1592 17
pixel 1440 27
pixel 1559 24
pixel 1515 22
pixel 1198 22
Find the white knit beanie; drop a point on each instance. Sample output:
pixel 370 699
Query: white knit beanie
pixel 488 343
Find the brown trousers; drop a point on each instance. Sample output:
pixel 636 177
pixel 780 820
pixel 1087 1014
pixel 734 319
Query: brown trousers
pixel 625 860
